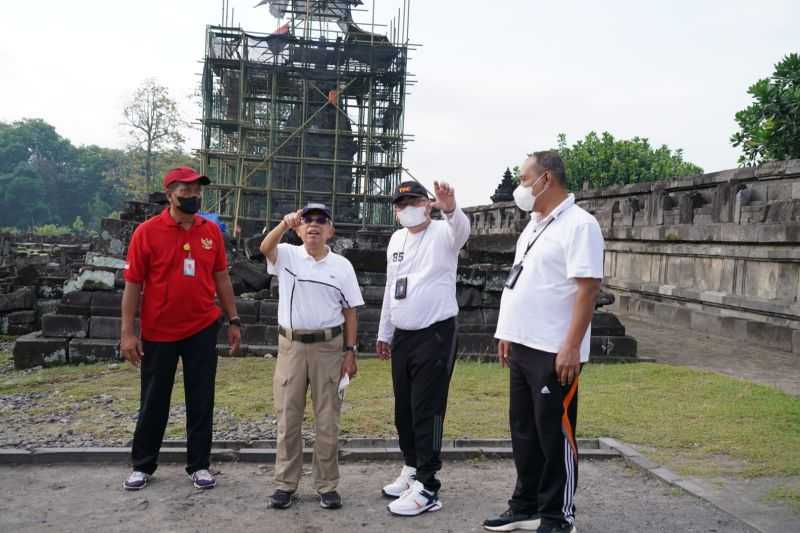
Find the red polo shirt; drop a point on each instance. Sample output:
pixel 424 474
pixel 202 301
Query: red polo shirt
pixel 175 306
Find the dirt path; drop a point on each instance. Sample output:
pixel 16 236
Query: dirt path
pixel 611 497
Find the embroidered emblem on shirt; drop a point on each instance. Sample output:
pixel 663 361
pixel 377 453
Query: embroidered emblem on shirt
pixel 207 244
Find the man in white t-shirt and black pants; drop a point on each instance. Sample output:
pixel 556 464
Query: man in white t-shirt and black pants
pixel 544 331
pixel 317 324
pixel 418 332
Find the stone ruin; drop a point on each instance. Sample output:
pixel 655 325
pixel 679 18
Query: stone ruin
pixel 84 324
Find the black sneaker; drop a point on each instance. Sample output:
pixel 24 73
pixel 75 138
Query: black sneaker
pixel 557 528
pixel 512 521
pixel 281 499
pixel 330 500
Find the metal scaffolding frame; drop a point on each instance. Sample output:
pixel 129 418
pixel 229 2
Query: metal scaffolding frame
pixel 313 112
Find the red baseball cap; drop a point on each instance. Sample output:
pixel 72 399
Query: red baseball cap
pixel 184 175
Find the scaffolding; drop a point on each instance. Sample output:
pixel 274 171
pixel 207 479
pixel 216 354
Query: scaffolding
pixel 313 112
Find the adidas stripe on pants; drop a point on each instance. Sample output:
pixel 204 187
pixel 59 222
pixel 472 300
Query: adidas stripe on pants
pixel 542 416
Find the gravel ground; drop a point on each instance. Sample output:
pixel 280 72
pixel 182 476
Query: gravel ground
pixel 611 497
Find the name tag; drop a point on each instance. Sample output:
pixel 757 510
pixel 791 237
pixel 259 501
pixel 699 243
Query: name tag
pixel 513 276
pixel 400 287
pixel 188 267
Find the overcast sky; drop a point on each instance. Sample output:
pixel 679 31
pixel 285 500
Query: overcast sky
pixel 497 79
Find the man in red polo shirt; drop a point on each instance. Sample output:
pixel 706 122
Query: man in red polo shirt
pixel 176 267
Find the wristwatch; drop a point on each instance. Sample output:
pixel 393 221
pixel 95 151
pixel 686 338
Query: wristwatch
pixel 235 321
pixel 353 349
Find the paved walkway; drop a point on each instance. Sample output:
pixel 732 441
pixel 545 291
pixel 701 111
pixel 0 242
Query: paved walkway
pixel 611 497
pixel 680 346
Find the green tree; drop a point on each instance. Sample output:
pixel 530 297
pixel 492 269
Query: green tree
pixel 604 160
pixel 44 179
pixel 154 123
pixel 769 128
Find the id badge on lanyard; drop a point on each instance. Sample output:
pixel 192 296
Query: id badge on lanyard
pixel 516 270
pixel 188 262
pixel 188 267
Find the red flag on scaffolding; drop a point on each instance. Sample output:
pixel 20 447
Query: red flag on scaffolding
pixel 283 29
pixel 333 97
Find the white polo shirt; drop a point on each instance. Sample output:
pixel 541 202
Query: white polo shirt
pixel 429 260
pixel 537 312
pixel 313 293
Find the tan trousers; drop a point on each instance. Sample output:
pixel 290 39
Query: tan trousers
pixel 302 366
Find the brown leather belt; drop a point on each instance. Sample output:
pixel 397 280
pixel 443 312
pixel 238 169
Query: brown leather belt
pixel 309 336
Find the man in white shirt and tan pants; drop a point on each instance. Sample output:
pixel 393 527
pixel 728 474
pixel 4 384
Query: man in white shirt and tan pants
pixel 543 333
pixel 317 326
pixel 418 332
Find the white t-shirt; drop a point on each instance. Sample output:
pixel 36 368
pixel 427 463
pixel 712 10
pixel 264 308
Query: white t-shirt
pixel 313 293
pixel 429 260
pixel 537 312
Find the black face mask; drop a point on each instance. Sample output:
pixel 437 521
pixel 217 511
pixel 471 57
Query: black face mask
pixel 188 204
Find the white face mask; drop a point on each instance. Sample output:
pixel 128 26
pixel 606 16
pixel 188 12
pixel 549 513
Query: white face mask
pixel 524 197
pixel 412 216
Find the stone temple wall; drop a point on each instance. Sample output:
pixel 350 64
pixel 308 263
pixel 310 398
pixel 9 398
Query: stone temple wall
pixel 718 253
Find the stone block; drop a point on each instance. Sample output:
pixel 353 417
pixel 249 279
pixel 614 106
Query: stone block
pixel 612 347
pixel 105 327
pixel 495 280
pixel 476 343
pixel 706 323
pixel 373 294
pixel 490 317
pixel 369 314
pixel 768 334
pixel 796 341
pixel 104 261
pixel 471 277
pixel 490 300
pixel 22 298
pixel 34 350
pixel 56 325
pixel 247 308
pixel 93 350
pixel 92 279
pixel 76 303
pixel 268 311
pixel 467 317
pixel 44 307
pixel 22 317
pixel 468 296
pixel 377 279
pixel 257 334
pixel 606 324
pixel 106 304
pixel 253 275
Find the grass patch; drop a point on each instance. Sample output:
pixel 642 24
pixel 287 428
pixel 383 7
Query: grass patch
pixel 696 422
pixel 786 494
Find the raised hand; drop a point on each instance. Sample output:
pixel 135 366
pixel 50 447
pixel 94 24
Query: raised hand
pixel 445 196
pixel 292 220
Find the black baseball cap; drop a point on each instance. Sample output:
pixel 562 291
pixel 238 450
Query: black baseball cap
pixel 409 188
pixel 312 207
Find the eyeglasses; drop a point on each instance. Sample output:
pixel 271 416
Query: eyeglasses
pixel 406 201
pixel 319 219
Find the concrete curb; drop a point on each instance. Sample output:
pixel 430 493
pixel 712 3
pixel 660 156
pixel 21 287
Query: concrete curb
pixel 637 460
pixel 351 450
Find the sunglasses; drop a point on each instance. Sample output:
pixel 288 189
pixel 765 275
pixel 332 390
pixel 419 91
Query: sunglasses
pixel 319 219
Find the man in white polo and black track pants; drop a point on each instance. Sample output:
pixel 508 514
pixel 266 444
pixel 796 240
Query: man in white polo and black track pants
pixel 418 332
pixel 543 330
pixel 317 323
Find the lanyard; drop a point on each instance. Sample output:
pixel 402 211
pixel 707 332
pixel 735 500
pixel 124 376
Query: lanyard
pixel 530 244
pixel 416 251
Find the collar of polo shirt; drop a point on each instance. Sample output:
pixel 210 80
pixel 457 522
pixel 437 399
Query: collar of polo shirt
pixel 307 255
pixel 568 202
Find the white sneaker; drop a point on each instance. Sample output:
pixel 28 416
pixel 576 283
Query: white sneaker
pixel 202 479
pixel 415 501
pixel 396 488
pixel 136 481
